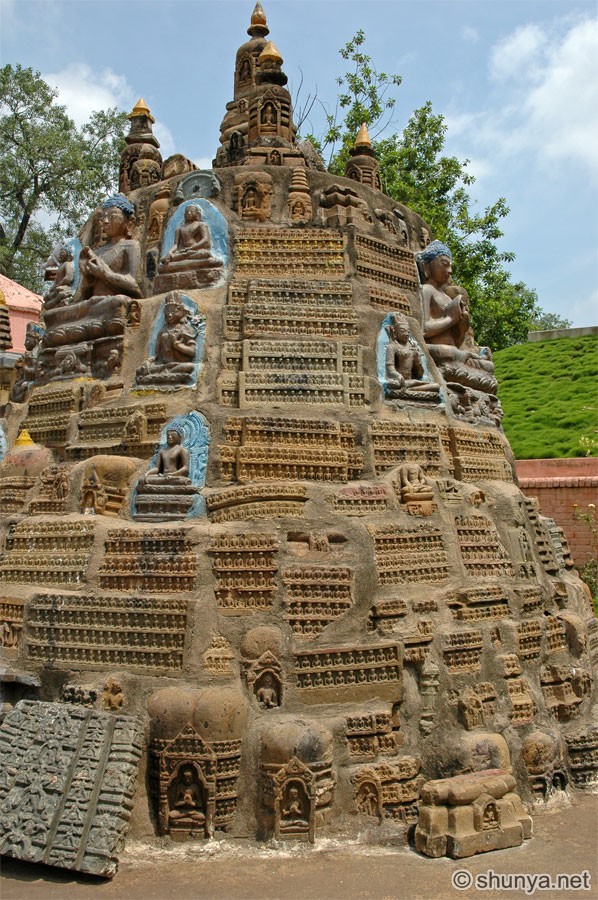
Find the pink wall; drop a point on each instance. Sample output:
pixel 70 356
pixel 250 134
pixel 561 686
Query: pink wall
pixel 559 485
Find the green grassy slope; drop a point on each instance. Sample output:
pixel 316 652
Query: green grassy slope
pixel 549 392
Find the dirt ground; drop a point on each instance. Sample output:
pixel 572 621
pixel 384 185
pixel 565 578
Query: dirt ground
pixel 565 841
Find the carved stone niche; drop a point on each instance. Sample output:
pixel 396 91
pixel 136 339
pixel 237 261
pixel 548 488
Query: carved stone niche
pixel 297 783
pixel 564 688
pixel 105 484
pixel 195 756
pixel 261 649
pixel 543 758
pixel 187 786
pixel 389 790
pixel 368 793
pixel 582 747
pixel 471 814
pixel 252 195
pixel 294 802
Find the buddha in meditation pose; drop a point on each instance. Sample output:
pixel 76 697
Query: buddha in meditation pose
pixel 403 370
pixel 191 248
pixel 413 484
pixel 446 323
pixel 172 464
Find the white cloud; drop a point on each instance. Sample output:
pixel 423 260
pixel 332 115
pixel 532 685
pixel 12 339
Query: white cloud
pixel 548 97
pixel 83 91
pixel 480 168
pixel 518 54
pixel 460 123
pixel 470 34
pixel 562 106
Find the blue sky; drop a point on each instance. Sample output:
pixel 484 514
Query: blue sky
pixel 517 81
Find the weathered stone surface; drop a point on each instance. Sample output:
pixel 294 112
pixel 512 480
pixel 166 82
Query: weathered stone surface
pixel 471 814
pixel 279 503
pixel 67 775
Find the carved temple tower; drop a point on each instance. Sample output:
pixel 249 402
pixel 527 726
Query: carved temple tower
pixel 261 532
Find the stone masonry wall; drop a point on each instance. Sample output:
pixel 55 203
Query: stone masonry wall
pixel 560 485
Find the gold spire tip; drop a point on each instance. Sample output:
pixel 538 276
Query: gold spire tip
pixel 141 109
pixel 363 138
pixel 271 54
pixel 24 439
pixel 258 24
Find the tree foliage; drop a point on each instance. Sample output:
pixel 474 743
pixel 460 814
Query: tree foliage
pixel 50 170
pixel 414 171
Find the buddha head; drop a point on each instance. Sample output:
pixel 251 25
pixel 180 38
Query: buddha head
pixel 118 217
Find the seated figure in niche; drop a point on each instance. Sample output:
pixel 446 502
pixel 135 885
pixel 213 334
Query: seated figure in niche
pixel 294 806
pixel 192 246
pixel 414 486
pixel 172 464
pixel 266 694
pixel 403 370
pixel 176 347
pixel 446 324
pixel 61 290
pixel 187 805
pixel 111 269
pixel 26 366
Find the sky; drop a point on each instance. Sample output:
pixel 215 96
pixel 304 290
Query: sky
pixel 516 80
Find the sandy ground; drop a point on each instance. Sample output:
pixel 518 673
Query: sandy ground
pixel 565 841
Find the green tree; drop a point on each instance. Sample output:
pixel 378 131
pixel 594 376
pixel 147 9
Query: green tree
pixel 415 172
pixel 49 170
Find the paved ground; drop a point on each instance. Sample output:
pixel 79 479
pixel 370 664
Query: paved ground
pixel 565 841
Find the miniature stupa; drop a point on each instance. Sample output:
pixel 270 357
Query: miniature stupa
pixel 276 557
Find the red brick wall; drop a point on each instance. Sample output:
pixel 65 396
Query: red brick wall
pixel 560 484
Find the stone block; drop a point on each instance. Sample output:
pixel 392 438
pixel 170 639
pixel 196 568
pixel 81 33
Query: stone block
pixel 471 814
pixel 66 785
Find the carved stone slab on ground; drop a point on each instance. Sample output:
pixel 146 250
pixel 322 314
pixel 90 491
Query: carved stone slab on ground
pixel 67 775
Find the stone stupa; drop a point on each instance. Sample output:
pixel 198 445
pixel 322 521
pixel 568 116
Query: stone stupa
pixel 262 540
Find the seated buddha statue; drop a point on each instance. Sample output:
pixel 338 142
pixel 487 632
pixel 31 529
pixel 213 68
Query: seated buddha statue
pixel 111 269
pixel 62 278
pixel 172 463
pixel 413 484
pixel 166 492
pixel 192 247
pixel 176 347
pixel 403 370
pixel 446 323
pixel 187 804
pixel 98 309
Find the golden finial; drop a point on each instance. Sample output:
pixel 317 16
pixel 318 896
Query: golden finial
pixel 271 54
pixel 2 298
pixel 24 439
pixel 258 21
pixel 363 138
pixel 141 109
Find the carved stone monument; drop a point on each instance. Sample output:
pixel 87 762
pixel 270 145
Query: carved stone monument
pixel 256 474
